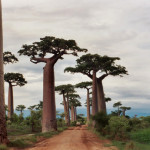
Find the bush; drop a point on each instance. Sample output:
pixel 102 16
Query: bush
pixel 3 147
pixel 136 123
pixel 118 127
pixel 73 123
pixel 101 120
pixel 142 136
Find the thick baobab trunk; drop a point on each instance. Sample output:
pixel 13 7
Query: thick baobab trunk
pixel 68 114
pixel 75 114
pixel 10 101
pixel 49 121
pixel 3 131
pixel 88 106
pixel 123 113
pixel 72 113
pixel 100 97
pixel 65 108
pixel 94 94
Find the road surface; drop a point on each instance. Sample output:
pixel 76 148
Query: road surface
pixel 75 138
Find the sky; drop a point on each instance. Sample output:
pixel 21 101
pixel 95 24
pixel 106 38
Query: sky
pixel 117 28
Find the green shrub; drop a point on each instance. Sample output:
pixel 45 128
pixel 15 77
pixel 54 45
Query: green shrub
pixel 73 123
pixel 3 147
pixel 101 120
pixel 18 143
pixel 60 122
pixel 118 127
pixel 139 123
pixel 142 136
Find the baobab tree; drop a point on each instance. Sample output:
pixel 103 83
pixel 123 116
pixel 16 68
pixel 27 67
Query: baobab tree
pixel 73 103
pixel 65 90
pixel 13 79
pixel 3 130
pixel 117 104
pixel 20 108
pixel 8 57
pixel 87 86
pixel 91 65
pixel 37 52
pixel 124 109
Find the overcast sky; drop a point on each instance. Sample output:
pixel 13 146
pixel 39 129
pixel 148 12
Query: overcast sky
pixel 108 27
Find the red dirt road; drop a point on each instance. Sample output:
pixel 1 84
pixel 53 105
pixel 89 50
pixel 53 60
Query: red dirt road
pixel 76 138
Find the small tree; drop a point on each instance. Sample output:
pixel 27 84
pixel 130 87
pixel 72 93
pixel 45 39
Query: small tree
pixel 13 79
pixel 87 86
pixel 34 120
pixel 118 104
pixel 65 90
pixel 20 108
pixel 124 109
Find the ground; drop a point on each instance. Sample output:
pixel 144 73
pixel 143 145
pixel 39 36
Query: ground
pixel 75 138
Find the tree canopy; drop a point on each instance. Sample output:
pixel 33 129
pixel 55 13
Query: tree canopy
pixel 8 57
pixel 50 45
pixel 66 88
pixel 15 79
pixel 105 65
pixel 85 85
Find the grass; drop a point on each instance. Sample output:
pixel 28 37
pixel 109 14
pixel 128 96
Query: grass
pixel 3 147
pixel 141 136
pixel 139 140
pixel 27 140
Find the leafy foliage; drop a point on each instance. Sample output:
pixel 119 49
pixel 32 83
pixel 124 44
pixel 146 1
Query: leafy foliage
pixel 118 127
pixel 64 89
pixel 103 64
pixel 15 79
pixel 84 85
pixel 50 45
pixel 101 120
pixel 8 57
pixel 20 108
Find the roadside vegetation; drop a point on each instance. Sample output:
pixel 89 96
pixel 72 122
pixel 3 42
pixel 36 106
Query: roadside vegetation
pixel 126 133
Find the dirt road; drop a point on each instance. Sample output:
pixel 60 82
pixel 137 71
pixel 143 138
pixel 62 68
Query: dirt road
pixel 76 138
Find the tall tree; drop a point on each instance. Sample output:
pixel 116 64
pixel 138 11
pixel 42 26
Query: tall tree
pixel 91 65
pixel 87 86
pixel 13 79
pixel 65 90
pixel 73 103
pixel 3 131
pixel 37 52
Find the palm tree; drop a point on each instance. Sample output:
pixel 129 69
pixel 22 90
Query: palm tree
pixel 3 130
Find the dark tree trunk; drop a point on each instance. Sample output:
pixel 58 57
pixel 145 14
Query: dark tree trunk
pixel 100 96
pixel 94 94
pixel 88 106
pixel 123 112
pixel 68 114
pixel 75 114
pixel 3 131
pixel 72 113
pixel 49 121
pixel 10 101
pixel 65 108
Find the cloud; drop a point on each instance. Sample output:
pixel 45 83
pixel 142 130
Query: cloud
pixel 113 28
